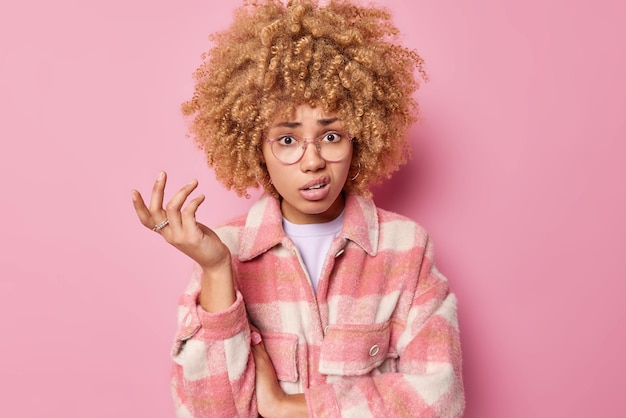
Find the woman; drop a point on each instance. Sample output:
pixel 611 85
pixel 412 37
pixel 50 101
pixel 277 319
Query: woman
pixel 315 303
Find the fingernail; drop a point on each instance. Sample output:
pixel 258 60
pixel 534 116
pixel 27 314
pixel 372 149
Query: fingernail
pixel 161 175
pixel 255 338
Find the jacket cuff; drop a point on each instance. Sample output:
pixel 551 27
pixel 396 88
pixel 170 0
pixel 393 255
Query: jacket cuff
pixel 215 325
pixel 224 324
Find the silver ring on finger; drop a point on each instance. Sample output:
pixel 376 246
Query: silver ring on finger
pixel 158 227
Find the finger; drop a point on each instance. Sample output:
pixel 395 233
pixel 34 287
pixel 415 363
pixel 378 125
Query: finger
pixel 263 363
pixel 261 359
pixel 140 208
pixel 156 200
pixel 189 213
pixel 173 207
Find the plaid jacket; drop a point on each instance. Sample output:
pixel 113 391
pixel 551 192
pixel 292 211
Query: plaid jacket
pixel 380 339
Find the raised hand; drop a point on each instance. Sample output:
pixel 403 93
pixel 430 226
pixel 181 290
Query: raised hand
pixel 178 226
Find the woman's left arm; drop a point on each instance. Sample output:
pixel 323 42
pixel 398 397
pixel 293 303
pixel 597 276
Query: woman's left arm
pixel 272 401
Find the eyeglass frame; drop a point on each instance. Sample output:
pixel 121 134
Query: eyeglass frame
pixel 306 141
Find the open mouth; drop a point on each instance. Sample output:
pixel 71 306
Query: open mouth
pixel 317 186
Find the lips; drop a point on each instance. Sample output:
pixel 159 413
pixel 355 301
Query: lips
pixel 317 189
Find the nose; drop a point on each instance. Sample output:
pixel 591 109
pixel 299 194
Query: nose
pixel 311 159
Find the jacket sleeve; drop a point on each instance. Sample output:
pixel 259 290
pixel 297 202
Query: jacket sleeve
pixel 426 379
pixel 213 368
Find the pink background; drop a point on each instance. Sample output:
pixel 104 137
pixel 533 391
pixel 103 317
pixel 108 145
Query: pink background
pixel 518 175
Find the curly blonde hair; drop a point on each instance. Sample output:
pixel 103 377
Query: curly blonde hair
pixel 274 57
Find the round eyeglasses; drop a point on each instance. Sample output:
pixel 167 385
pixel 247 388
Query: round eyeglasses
pixel 332 146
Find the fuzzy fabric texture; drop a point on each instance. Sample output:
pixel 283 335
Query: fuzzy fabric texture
pixel 381 338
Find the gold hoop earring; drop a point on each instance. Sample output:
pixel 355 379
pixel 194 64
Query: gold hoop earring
pixel 357 173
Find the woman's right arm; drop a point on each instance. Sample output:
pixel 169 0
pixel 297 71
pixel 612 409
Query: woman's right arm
pixel 213 374
pixel 214 371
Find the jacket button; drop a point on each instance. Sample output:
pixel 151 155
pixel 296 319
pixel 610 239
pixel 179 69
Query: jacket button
pixel 374 350
pixel 326 330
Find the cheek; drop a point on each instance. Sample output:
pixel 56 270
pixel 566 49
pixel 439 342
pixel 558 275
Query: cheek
pixel 274 168
pixel 346 164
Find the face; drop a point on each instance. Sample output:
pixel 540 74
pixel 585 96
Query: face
pixel 311 188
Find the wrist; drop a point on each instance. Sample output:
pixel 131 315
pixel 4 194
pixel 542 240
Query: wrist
pixel 219 271
pixel 217 290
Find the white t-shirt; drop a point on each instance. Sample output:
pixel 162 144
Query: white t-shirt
pixel 313 242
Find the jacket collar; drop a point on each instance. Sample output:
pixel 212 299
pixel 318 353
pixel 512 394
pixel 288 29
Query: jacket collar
pixel 264 226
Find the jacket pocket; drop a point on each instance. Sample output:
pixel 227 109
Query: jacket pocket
pixel 354 349
pixel 283 351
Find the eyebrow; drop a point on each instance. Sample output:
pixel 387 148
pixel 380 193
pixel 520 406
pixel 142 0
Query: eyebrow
pixel 322 122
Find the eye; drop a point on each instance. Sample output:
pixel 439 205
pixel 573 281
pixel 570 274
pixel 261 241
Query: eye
pixel 332 137
pixel 286 140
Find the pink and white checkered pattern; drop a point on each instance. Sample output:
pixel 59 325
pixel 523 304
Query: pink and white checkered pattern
pixel 381 338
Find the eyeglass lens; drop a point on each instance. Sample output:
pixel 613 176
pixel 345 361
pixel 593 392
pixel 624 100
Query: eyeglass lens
pixel 332 147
